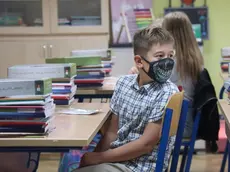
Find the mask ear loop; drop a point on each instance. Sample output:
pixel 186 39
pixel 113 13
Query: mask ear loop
pixel 145 59
pixel 146 62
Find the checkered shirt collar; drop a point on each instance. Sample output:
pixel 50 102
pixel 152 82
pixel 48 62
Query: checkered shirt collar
pixel 146 87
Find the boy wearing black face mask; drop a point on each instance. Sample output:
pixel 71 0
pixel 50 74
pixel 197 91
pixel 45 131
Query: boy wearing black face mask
pixel 138 102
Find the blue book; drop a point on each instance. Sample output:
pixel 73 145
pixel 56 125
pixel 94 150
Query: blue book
pixel 101 76
pixel 90 85
pixel 19 115
pixel 62 91
pixel 24 129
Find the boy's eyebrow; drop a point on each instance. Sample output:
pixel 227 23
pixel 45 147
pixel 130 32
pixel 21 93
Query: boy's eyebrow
pixel 173 51
pixel 159 52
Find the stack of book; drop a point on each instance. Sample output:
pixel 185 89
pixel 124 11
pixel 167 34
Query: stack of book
pixel 227 88
pixel 62 75
pixel 26 106
pixel 90 71
pixel 106 57
pixel 225 60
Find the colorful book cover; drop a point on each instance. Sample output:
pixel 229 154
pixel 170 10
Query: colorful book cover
pixel 88 81
pixel 63 102
pixel 89 86
pixel 90 75
pixel 25 128
pixel 19 115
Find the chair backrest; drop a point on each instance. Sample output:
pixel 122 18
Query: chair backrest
pixel 179 136
pixel 175 103
pixel 169 126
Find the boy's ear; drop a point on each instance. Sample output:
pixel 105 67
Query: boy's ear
pixel 138 61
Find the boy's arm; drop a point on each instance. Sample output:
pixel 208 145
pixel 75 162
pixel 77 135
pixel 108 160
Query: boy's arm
pixel 134 149
pixel 131 150
pixel 110 135
pixel 139 147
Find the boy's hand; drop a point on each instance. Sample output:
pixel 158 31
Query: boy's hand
pixel 90 158
pixel 133 70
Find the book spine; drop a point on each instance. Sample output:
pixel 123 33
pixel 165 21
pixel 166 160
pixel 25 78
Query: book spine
pixel 43 87
pixel 70 71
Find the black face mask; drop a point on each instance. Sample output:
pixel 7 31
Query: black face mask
pixel 161 70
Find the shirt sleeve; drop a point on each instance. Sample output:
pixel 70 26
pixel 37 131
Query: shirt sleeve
pixel 159 108
pixel 114 106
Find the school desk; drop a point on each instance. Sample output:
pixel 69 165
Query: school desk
pixel 106 91
pixel 224 76
pixel 225 108
pixel 70 132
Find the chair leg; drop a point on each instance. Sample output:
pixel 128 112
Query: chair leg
pixel 184 157
pixel 224 157
pixel 189 156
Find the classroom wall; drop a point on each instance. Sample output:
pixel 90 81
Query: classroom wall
pixel 219 28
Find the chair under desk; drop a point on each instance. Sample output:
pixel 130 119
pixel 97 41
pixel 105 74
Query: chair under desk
pixel 70 132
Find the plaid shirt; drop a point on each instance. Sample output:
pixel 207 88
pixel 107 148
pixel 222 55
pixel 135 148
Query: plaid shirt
pixel 136 107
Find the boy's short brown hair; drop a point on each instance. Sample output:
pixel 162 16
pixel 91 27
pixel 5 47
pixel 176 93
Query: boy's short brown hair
pixel 144 39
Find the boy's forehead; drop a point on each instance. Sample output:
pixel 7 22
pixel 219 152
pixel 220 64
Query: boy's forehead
pixel 162 47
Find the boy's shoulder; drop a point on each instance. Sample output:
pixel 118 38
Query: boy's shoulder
pixel 126 79
pixel 169 86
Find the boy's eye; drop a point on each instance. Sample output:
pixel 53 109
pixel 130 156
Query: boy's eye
pixel 159 55
pixel 171 55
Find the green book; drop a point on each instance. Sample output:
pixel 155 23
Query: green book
pixel 79 61
pixel 20 87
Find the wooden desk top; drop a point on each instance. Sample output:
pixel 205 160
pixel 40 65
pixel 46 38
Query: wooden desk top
pixel 71 130
pixel 107 88
pixel 225 108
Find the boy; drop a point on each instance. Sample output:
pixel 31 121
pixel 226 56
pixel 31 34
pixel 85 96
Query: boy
pixel 137 106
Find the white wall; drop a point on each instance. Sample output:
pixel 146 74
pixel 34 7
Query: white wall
pixel 124 60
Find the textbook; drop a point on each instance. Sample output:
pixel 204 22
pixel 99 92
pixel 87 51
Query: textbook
pixel 78 60
pixel 17 87
pixel 104 53
pixel 66 70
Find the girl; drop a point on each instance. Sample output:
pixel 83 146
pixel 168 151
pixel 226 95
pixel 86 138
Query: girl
pixel 188 60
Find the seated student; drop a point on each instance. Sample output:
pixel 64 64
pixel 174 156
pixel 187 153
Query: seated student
pixel 188 60
pixel 137 106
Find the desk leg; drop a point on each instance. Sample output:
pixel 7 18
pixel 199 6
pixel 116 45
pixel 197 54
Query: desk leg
pixel 80 100
pixel 35 161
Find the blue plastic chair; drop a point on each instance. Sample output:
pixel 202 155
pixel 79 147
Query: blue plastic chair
pixel 169 127
pixel 164 140
pixel 179 136
pixel 190 143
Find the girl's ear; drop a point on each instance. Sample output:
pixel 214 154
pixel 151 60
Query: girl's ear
pixel 138 61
